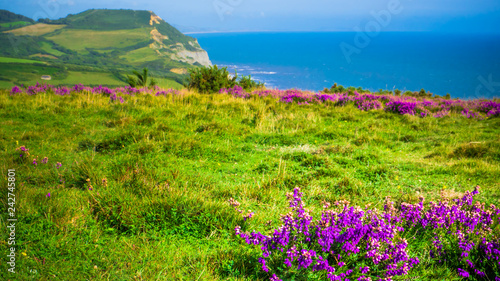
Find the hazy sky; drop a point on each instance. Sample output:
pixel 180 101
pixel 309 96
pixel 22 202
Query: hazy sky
pixel 292 15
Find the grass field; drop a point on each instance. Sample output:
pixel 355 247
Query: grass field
pixel 94 78
pixel 16 60
pixel 48 48
pixel 78 39
pixel 141 55
pixel 167 83
pixel 38 29
pixel 14 24
pixel 143 187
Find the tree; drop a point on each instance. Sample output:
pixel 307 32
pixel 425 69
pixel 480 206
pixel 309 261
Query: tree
pixel 141 80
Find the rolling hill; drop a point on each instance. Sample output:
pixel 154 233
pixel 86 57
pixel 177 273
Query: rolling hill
pixel 106 43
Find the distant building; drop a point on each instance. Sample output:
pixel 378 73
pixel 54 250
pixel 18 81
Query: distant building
pixel 46 77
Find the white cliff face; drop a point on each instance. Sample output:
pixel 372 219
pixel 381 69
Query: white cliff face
pixel 178 51
pixel 192 57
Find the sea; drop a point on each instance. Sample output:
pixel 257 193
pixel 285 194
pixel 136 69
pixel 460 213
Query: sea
pixel 464 65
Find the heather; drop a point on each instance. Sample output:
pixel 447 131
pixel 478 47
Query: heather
pixel 113 183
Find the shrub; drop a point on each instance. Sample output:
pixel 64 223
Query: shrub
pixel 247 83
pixel 211 79
pixel 349 242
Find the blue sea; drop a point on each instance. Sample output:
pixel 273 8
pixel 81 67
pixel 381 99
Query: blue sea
pixel 463 65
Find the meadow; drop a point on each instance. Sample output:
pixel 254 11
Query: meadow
pixel 163 184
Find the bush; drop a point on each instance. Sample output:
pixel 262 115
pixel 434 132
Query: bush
pixel 210 79
pixel 247 83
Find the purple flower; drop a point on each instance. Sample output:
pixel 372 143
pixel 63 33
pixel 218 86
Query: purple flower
pixel 463 273
pixel 15 90
pixel 364 269
pixel 45 160
pixel 275 278
pixel 248 216
pixel 48 195
pixel 58 165
pixel 34 162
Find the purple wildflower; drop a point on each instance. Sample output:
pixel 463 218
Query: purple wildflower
pixel 463 273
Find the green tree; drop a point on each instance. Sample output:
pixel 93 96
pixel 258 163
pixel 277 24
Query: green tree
pixel 141 80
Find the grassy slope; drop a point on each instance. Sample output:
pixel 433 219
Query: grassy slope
pixel 38 29
pixel 14 24
pixel 16 60
pixel 76 39
pixel 49 49
pixel 172 163
pixel 95 40
pixel 140 55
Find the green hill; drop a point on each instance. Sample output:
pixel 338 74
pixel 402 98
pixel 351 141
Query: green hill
pixel 110 41
pixel 9 20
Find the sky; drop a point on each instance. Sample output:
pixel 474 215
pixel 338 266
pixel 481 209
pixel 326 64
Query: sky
pixel 471 16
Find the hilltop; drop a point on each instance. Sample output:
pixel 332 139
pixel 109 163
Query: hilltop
pixel 95 44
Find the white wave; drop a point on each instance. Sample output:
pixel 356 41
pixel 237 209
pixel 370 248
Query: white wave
pixel 263 72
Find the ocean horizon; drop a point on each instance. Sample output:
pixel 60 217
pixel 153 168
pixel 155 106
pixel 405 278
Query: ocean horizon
pixel 463 65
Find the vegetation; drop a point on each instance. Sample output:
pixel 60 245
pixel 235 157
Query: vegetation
pixel 9 20
pixel 141 80
pixel 213 79
pixel 113 41
pixel 110 188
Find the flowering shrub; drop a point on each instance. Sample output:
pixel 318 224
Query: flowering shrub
pixel 369 105
pixel 348 243
pixel 437 107
pixel 236 91
pixel 401 107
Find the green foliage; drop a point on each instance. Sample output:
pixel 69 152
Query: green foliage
pixel 141 80
pixel 211 79
pixel 7 16
pixel 248 84
pixel 341 89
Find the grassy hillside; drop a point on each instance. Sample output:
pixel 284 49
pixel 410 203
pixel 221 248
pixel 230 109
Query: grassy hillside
pixel 78 40
pixel 112 41
pixel 9 20
pixel 140 190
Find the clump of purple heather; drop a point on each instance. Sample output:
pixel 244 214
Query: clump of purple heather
pixel 471 114
pixel 62 91
pixel 167 92
pixel 297 96
pixel 349 242
pixel 236 91
pixel 441 113
pixel 15 90
pixel 370 105
pixel 402 107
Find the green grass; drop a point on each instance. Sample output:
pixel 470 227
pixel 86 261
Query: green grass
pixel 172 163
pixel 16 60
pixel 78 40
pixel 48 48
pixel 94 78
pixel 167 83
pixel 141 55
pixel 14 24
